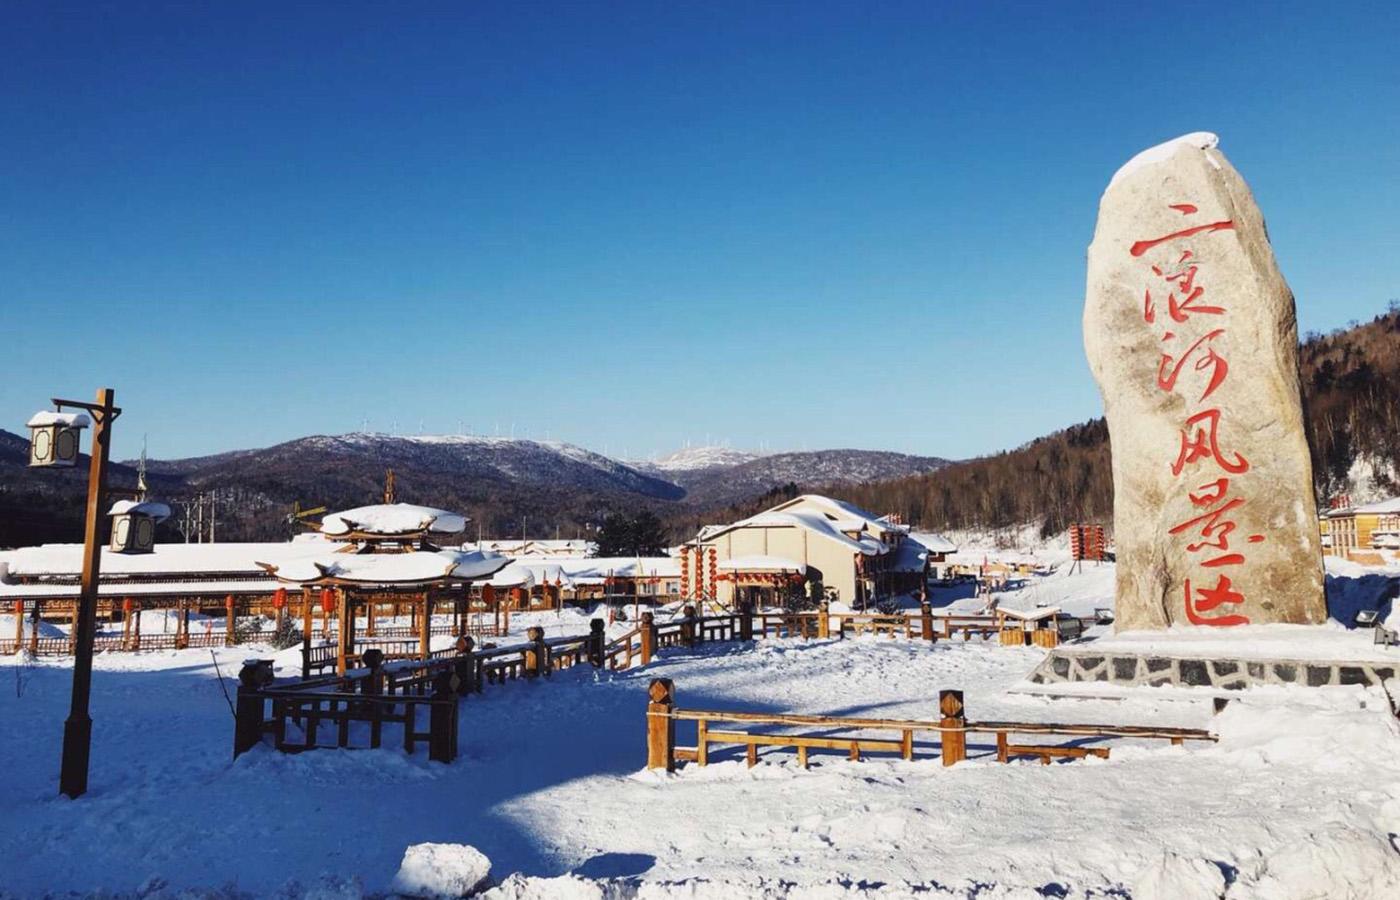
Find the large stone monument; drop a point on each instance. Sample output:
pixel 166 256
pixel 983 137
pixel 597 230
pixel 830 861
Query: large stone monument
pixel 1190 332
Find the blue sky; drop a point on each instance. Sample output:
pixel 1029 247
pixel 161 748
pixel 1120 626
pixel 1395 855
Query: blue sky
pixel 635 225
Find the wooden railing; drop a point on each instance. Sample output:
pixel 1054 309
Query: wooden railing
pixel 952 728
pixel 387 691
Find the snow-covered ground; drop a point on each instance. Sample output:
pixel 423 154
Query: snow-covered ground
pixel 1300 798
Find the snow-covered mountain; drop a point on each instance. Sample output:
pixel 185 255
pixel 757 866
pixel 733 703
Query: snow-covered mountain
pixel 690 459
pixel 496 460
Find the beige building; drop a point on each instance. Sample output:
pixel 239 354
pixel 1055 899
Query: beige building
pixel 864 558
pixel 1369 533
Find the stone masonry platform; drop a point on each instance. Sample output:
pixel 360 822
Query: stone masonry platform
pixel 1233 658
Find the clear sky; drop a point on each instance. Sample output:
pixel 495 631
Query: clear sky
pixel 635 225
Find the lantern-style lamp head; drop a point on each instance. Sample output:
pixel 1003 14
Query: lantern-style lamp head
pixel 53 438
pixel 134 525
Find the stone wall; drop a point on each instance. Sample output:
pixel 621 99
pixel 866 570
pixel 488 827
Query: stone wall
pixel 1144 669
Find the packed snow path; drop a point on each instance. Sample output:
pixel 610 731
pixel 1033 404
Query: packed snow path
pixel 550 782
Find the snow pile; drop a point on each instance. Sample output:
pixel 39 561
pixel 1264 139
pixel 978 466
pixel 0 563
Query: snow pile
pixel 441 870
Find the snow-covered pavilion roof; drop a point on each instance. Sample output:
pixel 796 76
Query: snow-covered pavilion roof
pixel 1381 508
pixel 417 568
pixel 392 520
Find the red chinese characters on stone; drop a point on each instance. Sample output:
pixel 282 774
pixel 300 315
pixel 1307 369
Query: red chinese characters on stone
pixel 1210 359
pixel 1207 534
pixel 1208 598
pixel 1200 439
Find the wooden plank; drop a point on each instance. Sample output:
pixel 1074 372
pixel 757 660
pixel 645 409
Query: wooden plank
pixel 802 740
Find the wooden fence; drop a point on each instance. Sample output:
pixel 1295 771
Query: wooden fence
pixel 400 694
pixel 897 738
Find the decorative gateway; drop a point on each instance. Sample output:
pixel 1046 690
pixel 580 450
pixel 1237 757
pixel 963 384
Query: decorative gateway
pixel 1190 331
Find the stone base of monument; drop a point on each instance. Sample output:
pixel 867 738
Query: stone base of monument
pixel 1232 659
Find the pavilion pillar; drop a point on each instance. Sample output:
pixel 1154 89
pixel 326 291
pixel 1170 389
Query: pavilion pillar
pixel 306 617
pixel 369 619
pixel 425 626
pixel 343 645
pixel 228 620
pixel 36 618
pixel 136 625
pixel 19 625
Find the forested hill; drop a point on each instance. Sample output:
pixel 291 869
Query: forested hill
pixel 1351 397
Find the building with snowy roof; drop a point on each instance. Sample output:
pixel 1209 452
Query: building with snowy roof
pixel 862 557
pixel 1366 533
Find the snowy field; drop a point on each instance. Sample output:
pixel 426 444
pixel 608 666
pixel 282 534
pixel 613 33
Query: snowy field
pixel 1301 797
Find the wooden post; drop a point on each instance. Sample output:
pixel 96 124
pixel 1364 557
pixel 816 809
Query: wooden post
pixel 19 625
pixel 824 620
pixel 343 637
pixel 745 621
pixel 688 625
pixel 183 640
pixel 950 707
pixel 648 635
pixel 425 627
pixel 465 666
pixel 596 640
pixel 442 721
pixel 926 621
pixel 661 728
pixel 77 729
pixel 229 636
pixel 536 658
pixel 36 618
pixel 136 625
pixel 248 715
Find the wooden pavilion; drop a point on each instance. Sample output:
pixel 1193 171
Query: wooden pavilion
pixel 390 555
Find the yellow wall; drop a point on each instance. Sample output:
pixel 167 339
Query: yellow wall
pixel 835 561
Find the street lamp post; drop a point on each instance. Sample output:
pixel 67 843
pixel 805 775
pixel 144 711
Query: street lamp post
pixel 77 730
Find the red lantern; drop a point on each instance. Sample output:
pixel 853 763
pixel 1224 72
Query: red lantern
pixel 126 605
pixel 327 601
pixel 279 598
pixel 488 594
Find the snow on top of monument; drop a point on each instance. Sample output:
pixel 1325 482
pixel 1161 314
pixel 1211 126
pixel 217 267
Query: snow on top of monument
pixel 1276 641
pixel 392 519
pixel 157 511
pixel 1200 140
pixel 49 417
